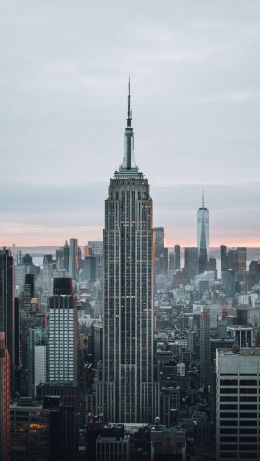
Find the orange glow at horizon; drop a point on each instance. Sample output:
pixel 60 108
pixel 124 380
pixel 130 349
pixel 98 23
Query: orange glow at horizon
pixel 47 241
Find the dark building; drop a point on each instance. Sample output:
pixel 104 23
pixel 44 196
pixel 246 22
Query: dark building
pixel 171 259
pixel 97 342
pixel 45 431
pixel 17 331
pixel 191 266
pixel 160 254
pixel 4 400
pixel 177 257
pixel 66 252
pixel 229 281
pixel 90 268
pixel 223 258
pixel 212 265
pixel 7 311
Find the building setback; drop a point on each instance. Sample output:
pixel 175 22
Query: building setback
pixel 128 389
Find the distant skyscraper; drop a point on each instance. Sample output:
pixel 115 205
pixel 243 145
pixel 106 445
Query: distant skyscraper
pixel 223 258
pixel 159 247
pixel 74 258
pixel 177 257
pixel 241 253
pixel 128 375
pixel 62 344
pixel 203 235
pixel 191 261
pixel 66 251
pixel 7 312
pixel 4 400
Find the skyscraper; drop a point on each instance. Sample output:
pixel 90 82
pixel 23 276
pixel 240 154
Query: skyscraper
pixel 73 258
pixel 177 257
pixel 62 346
pixel 204 346
pixel 7 314
pixel 237 415
pixel 191 261
pixel 4 400
pixel 203 235
pixel 66 251
pixel 159 249
pixel 128 382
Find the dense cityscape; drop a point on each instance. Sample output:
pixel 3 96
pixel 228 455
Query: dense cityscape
pixel 126 349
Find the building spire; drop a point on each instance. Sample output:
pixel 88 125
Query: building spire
pixel 203 198
pixel 129 112
pixel 128 166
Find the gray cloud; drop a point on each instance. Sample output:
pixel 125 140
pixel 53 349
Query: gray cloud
pixel 195 76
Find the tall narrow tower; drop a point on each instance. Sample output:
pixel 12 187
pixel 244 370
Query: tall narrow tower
pixel 127 371
pixel 203 235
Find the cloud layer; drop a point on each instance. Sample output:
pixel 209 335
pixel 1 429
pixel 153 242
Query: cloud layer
pixel 196 113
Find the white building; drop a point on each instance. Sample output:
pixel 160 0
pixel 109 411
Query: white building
pixel 62 344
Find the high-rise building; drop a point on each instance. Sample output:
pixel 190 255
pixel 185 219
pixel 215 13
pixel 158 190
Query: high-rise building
pixel 95 248
pixel 191 266
pixel 203 235
pixel 4 400
pixel 62 344
pixel 159 249
pixel 128 375
pixel 7 312
pixel 73 258
pixel 223 258
pixel 204 346
pixel 66 252
pixel 241 256
pixel 177 257
pixel 37 359
pixel 237 415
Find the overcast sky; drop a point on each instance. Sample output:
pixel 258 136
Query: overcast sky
pixel 195 72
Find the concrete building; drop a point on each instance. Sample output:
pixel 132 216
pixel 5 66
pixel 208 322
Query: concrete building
pixel 237 414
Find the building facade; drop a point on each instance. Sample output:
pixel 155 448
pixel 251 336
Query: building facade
pixel 4 400
pixel 62 344
pixel 128 390
pixel 237 401
pixel 7 312
pixel 191 265
pixel 73 258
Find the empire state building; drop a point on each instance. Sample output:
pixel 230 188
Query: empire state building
pixel 128 388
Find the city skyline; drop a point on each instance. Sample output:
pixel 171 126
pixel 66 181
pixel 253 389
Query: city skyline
pixel 197 117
